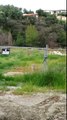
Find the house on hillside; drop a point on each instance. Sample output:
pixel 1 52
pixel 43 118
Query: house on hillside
pixel 31 15
pixel 61 18
pixel 58 14
pixel 55 11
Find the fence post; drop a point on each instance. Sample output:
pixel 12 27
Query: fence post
pixel 45 57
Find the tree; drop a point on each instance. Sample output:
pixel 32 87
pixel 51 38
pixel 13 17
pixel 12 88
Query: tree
pixel 61 38
pixel 51 19
pixel 25 11
pixel 31 35
pixel 19 40
pixel 43 35
pixel 62 14
pixel 2 19
pixel 11 11
pixel 52 40
pixel 42 13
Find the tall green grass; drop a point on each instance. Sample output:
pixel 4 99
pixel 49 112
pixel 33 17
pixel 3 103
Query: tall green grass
pixel 20 57
pixel 53 78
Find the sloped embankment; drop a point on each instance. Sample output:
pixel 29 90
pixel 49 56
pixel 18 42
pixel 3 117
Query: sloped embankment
pixel 40 106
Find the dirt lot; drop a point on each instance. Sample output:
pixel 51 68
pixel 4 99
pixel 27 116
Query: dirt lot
pixel 40 106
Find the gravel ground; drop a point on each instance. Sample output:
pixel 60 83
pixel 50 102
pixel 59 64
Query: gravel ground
pixel 38 106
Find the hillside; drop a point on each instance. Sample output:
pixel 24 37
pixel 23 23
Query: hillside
pixel 17 29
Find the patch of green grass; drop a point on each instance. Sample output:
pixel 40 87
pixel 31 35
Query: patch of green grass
pixel 3 89
pixel 29 89
pixel 48 79
pixel 20 57
pixel 55 57
pixel 54 78
pixel 40 82
pixel 7 81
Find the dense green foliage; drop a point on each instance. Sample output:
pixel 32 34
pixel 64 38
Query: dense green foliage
pixel 48 29
pixel 63 14
pixel 31 35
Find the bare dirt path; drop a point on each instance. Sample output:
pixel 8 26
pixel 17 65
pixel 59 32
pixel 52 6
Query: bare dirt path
pixel 38 106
